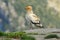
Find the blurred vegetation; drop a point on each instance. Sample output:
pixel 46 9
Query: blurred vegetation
pixel 17 35
pixel 51 36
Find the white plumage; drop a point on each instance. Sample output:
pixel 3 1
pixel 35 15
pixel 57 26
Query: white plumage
pixel 32 18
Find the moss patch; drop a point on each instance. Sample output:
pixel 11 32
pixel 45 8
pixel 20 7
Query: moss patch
pixel 51 36
pixel 16 35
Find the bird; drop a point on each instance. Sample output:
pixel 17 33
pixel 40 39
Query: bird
pixel 32 18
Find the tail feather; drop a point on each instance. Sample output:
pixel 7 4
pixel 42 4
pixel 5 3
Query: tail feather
pixel 39 25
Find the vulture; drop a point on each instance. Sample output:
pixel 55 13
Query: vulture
pixel 32 18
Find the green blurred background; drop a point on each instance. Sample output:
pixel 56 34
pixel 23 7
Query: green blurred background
pixel 47 10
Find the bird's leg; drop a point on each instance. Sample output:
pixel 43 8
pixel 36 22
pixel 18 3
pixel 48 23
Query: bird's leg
pixel 31 26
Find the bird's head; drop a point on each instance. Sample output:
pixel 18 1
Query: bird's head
pixel 28 8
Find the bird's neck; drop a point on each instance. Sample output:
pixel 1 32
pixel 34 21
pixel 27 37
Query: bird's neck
pixel 30 12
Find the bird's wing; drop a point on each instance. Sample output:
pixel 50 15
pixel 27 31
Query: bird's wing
pixel 34 18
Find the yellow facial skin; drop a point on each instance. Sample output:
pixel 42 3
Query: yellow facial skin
pixel 29 8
